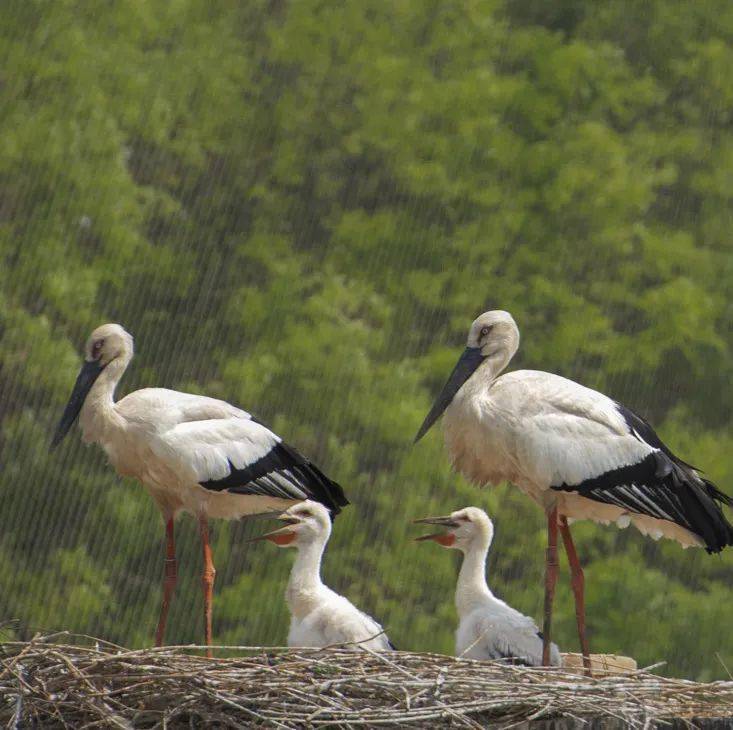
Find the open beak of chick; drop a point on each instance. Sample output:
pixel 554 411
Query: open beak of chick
pixel 446 539
pixel 283 535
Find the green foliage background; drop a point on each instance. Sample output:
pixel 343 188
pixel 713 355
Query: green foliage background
pixel 300 207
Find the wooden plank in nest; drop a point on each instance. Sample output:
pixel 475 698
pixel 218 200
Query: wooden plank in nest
pixel 600 664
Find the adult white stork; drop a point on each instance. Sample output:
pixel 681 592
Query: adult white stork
pixel 192 454
pixel 319 616
pixel 488 628
pixel 574 451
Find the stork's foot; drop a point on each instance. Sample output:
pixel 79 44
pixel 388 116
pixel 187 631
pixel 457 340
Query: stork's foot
pixel 550 580
pixel 207 581
pixel 169 582
pixel 577 583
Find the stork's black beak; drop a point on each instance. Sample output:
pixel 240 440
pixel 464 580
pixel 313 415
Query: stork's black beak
pixel 444 521
pixel 84 381
pixel 465 367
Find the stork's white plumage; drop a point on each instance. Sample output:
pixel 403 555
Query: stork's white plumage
pixel 319 616
pixel 192 453
pixel 488 627
pixel 574 451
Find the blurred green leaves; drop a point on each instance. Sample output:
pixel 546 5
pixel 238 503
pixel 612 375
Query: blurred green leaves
pixel 300 208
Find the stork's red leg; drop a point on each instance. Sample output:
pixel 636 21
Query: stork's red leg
pixel 550 580
pixel 207 579
pixel 577 581
pixel 169 581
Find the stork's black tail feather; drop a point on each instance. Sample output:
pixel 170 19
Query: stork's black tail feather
pixel 673 488
pixel 664 487
pixel 723 528
pixel 702 504
pixel 314 482
pixel 284 473
pixel 324 490
pixel 716 494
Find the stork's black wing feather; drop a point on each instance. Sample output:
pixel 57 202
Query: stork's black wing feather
pixel 496 653
pixel 285 473
pixel 662 486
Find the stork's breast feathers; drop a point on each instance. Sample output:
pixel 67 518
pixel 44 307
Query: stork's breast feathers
pixel 476 436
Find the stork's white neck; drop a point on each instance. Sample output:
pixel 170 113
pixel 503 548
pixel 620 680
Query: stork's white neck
pixel 98 415
pixel 305 585
pixel 486 373
pixel 497 361
pixel 472 589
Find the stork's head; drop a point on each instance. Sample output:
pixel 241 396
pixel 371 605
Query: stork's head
pixel 305 522
pixel 108 342
pixel 107 345
pixel 493 338
pixel 468 527
pixel 494 332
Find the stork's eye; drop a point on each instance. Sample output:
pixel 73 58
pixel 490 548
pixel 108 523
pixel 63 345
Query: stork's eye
pixel 485 330
pixel 97 348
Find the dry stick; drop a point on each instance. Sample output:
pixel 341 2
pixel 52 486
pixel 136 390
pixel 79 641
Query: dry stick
pixel 16 659
pixel 464 720
pixel 725 666
pixel 17 720
pixel 282 688
pixel 244 709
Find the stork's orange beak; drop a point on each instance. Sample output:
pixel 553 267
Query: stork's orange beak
pixel 446 539
pixel 281 536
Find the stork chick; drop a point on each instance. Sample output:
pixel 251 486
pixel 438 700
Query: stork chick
pixel 319 616
pixel 488 628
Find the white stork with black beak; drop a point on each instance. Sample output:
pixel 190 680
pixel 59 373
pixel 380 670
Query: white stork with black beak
pixel 488 628
pixel 319 616
pixel 192 454
pixel 574 451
